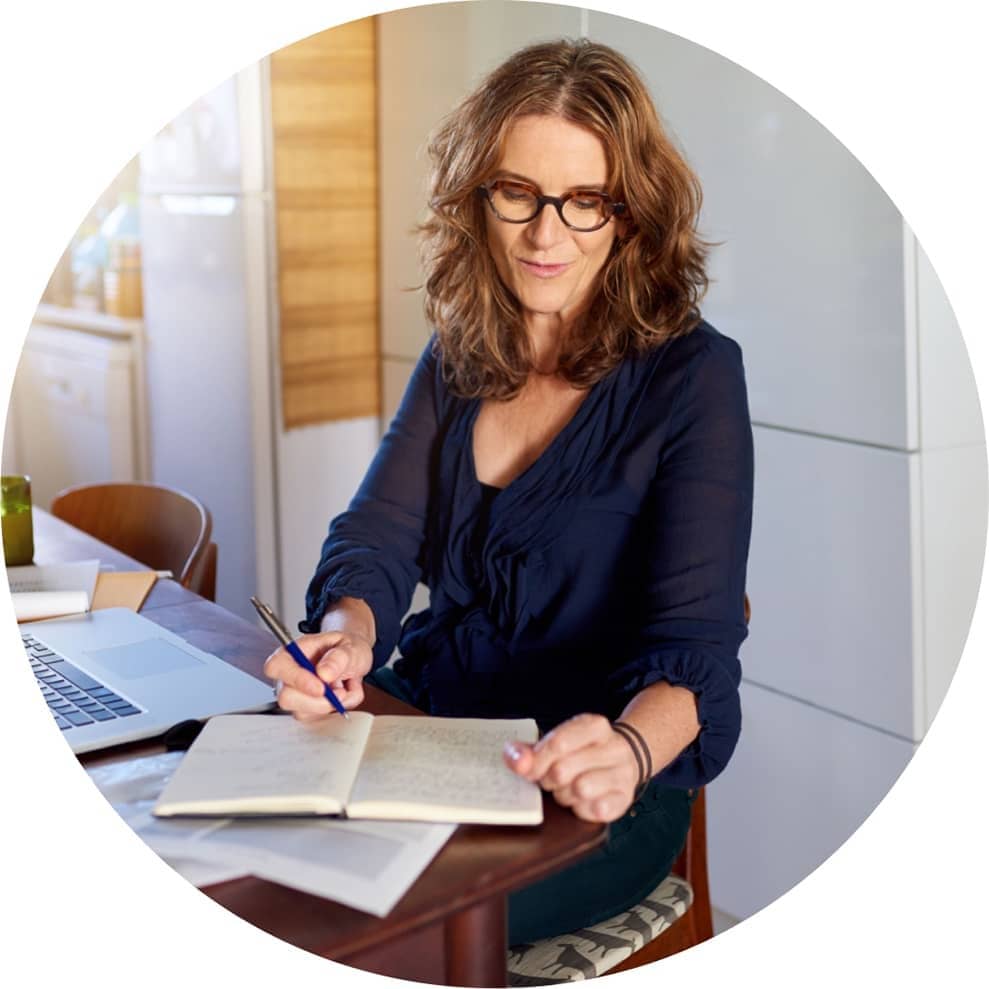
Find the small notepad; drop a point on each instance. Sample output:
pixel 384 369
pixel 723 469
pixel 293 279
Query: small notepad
pixel 123 589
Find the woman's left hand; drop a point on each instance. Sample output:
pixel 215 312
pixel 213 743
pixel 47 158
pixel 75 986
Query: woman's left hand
pixel 584 763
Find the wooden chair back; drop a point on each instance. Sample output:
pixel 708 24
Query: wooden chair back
pixel 204 584
pixel 161 527
pixel 696 925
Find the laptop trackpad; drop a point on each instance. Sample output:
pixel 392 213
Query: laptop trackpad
pixel 149 657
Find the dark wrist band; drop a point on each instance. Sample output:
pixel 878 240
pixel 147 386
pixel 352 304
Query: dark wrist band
pixel 622 729
pixel 640 766
pixel 630 732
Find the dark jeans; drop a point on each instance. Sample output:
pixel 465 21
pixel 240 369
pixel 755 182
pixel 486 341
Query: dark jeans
pixel 640 849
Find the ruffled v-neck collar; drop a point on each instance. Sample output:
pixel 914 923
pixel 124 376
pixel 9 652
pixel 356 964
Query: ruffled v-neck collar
pixel 534 473
pixel 534 509
pixel 527 513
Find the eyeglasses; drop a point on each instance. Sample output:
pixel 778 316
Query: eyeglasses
pixel 515 202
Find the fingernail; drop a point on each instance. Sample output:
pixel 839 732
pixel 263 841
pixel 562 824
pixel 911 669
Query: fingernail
pixel 513 751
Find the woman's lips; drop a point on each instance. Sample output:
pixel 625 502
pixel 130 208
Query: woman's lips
pixel 543 270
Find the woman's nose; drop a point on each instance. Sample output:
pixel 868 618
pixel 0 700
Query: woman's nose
pixel 546 229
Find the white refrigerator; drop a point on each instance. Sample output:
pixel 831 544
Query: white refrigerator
pixel 208 284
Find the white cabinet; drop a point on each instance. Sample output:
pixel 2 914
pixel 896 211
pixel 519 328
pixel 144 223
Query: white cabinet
pixel 830 576
pixel 77 404
pixel 808 274
pixel 800 782
pixel 948 400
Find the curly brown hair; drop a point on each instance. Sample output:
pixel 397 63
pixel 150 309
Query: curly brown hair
pixel 652 283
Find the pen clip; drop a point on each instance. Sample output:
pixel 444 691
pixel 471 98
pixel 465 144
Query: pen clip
pixel 271 620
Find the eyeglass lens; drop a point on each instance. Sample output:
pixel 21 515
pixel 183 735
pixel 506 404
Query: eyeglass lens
pixel 518 203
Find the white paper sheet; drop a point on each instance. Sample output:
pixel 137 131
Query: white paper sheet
pixel 203 873
pixel 368 865
pixel 131 787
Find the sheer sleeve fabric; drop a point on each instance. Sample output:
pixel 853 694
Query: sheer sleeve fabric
pixel 697 525
pixel 373 550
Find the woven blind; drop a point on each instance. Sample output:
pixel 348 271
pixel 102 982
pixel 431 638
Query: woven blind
pixel 323 96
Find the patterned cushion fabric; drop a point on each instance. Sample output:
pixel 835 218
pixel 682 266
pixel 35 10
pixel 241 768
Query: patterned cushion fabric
pixel 594 950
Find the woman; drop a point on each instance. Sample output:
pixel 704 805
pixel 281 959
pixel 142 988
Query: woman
pixel 570 473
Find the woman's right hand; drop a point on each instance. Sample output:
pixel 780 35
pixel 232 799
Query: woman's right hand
pixel 342 660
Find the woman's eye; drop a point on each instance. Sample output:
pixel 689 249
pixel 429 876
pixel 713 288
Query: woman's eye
pixel 587 202
pixel 515 193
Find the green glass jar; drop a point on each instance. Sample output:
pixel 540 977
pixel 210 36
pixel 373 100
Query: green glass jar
pixel 15 518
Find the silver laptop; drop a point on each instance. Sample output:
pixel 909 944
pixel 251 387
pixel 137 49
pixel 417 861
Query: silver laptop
pixel 112 676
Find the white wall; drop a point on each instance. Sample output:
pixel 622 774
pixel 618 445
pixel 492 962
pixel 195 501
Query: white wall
pixel 474 38
pixel 10 458
pixel 319 469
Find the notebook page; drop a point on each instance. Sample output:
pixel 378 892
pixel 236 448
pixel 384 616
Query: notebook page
pixel 268 764
pixel 444 769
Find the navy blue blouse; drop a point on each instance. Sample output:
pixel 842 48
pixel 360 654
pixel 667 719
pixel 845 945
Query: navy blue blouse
pixel 617 559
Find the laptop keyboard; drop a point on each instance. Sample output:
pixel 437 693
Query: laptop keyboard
pixel 74 698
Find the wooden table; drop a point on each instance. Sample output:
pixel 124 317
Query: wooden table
pixel 450 926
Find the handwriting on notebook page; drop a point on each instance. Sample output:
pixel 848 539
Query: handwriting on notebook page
pixel 438 760
pixel 238 756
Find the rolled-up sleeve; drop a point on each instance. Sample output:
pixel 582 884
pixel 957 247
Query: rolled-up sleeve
pixel 698 525
pixel 372 551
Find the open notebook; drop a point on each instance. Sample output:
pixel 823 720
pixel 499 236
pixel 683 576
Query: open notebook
pixel 387 767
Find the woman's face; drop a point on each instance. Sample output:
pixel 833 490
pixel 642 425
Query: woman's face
pixel 551 269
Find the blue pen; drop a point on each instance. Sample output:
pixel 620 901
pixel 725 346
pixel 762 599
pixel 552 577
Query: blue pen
pixel 281 633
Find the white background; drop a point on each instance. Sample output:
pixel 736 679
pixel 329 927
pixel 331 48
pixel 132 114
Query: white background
pixel 83 85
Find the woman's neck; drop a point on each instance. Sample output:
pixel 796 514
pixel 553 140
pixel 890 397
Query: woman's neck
pixel 547 334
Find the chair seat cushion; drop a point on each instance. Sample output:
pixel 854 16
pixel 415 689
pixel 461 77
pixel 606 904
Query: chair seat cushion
pixel 594 950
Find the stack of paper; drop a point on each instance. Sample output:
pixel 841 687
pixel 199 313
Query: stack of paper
pixel 53 589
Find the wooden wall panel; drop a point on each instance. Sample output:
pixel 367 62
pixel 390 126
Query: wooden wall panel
pixel 323 105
